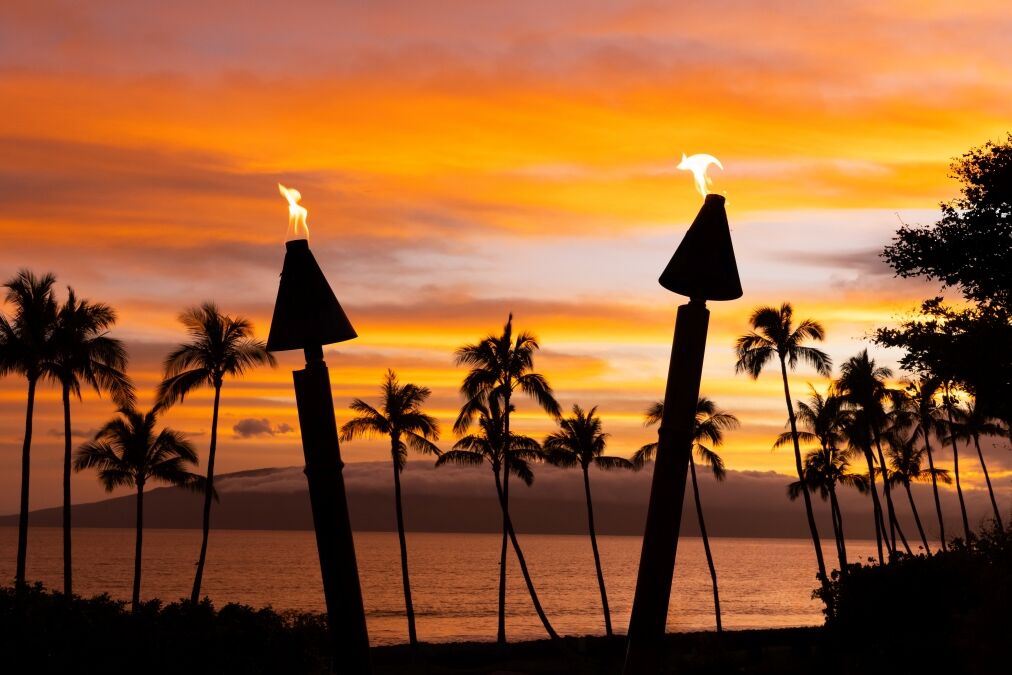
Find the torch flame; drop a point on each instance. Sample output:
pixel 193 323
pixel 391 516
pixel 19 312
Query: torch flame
pixel 698 164
pixel 297 228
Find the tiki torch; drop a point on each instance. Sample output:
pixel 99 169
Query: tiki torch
pixel 702 268
pixel 308 316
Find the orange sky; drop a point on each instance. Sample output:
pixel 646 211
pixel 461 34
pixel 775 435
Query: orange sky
pixel 460 161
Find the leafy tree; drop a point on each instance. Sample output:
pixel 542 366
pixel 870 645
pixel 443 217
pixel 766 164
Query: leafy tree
pixel 127 452
pixel 25 349
pixel 399 417
pixel 968 249
pixel 710 424
pixel 581 442
pixel 489 445
pixel 83 353
pixel 220 345
pixel 774 337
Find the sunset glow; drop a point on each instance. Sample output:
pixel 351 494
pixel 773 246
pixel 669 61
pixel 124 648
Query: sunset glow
pixel 472 159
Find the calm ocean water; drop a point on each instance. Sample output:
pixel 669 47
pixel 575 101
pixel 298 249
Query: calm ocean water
pixel 763 582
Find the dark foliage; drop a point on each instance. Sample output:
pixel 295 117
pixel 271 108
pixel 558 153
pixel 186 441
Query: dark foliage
pixel 969 347
pixel 970 247
pixel 951 609
pixel 43 632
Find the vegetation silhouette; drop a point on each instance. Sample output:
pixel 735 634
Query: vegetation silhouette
pixel 220 346
pixel 862 385
pixel 824 423
pixel 711 423
pixel 489 445
pixel 581 442
pixel 128 452
pixel 905 467
pixel 949 404
pixel 500 366
pixel 774 337
pixel 25 348
pixel 401 418
pixel 971 422
pixel 83 353
pixel 967 345
pixel 920 404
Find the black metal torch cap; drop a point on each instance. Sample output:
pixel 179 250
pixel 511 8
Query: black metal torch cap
pixel 306 312
pixel 703 266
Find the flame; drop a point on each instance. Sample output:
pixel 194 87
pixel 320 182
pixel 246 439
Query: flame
pixel 297 228
pixel 698 164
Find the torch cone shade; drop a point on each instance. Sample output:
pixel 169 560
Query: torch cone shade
pixel 306 313
pixel 703 267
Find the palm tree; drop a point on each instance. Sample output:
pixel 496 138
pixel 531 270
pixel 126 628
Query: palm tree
pixel 823 472
pixel 921 402
pixel 858 436
pixel 220 345
pixel 580 442
pixel 949 405
pixel 501 365
pixel 127 452
pixel 711 423
pixel 862 386
pixel 84 353
pixel 774 336
pixel 401 418
pixel 972 423
pixel 905 467
pixel 25 348
pixel 489 445
pixel 824 420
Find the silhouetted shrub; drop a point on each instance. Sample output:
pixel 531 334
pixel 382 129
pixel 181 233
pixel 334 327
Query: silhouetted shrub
pixel 951 611
pixel 43 632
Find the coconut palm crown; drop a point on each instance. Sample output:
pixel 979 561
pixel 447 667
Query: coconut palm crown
pixel 128 452
pixel 400 417
pixel 25 348
pixel 220 345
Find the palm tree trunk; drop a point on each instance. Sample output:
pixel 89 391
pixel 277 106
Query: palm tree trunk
pixel 501 630
pixel 841 545
pixel 405 579
pixel 876 504
pixel 198 578
pixel 706 544
pixel 955 470
pixel 917 518
pixel 934 486
pixel 893 523
pixel 899 531
pixel 823 577
pixel 135 598
pixel 68 573
pixel 987 477
pixel 505 499
pixel 523 564
pixel 26 449
pixel 597 557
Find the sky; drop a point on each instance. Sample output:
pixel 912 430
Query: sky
pixel 462 160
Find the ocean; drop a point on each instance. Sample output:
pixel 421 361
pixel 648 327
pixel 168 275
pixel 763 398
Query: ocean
pixel 764 583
